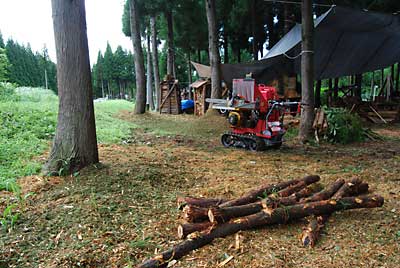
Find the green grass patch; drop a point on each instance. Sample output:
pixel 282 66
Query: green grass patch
pixel 111 129
pixel 27 125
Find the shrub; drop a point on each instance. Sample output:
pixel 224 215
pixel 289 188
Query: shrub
pixel 344 127
pixel 7 92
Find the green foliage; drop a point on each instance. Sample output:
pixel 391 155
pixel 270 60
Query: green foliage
pixel 2 45
pixel 28 123
pixel 109 128
pixel 113 73
pixel 27 68
pixel 7 92
pixel 4 65
pixel 9 217
pixel 344 127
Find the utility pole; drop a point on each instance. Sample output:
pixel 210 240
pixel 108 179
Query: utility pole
pixel 307 71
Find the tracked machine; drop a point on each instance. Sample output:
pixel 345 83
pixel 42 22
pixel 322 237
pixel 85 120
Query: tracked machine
pixel 255 115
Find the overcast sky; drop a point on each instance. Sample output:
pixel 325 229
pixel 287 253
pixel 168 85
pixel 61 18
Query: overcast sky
pixel 30 21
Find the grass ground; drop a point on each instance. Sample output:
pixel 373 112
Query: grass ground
pixel 118 213
pixel 28 122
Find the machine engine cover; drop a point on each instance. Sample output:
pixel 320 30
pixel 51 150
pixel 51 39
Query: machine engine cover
pixel 234 119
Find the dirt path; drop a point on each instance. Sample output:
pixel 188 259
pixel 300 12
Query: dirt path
pixel 123 210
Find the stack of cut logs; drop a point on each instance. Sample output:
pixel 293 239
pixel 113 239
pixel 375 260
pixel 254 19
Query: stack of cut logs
pixel 207 219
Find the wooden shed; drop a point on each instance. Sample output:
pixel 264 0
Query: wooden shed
pixel 202 90
pixel 170 97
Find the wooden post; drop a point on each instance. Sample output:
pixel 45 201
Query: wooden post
pixel 318 94
pixel 397 77
pixel 358 84
pixel 330 92
pixel 336 89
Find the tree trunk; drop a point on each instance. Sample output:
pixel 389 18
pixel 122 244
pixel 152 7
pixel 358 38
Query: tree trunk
pixel 358 84
pixel 190 76
pixel 199 55
pixel 307 73
pixel 267 189
pixel 215 59
pixel 140 106
pixel 238 55
pixel 336 89
pixel 102 88
pixel 318 94
pixel 75 142
pixel 170 43
pixel 261 219
pixel 226 48
pixel 397 78
pixel 253 15
pixel 330 94
pixel 149 85
pixel 156 68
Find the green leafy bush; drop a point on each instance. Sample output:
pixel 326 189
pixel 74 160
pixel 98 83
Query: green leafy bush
pixel 344 127
pixel 7 92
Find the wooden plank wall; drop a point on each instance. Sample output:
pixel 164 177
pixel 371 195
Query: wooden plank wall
pixel 171 102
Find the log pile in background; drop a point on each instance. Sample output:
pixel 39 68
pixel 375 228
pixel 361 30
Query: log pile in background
pixel 207 219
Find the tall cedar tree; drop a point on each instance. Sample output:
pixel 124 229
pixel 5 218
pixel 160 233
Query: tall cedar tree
pixel 75 143
pixel 156 69
pixel 140 107
pixel 170 43
pixel 215 59
pixel 149 84
pixel 307 72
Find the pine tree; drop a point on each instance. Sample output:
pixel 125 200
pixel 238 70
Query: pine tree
pixel 2 45
pixel 4 64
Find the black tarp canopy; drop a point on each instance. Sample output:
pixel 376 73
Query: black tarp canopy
pixel 347 42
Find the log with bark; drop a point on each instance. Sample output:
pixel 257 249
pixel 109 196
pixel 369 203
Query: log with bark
pixel 186 229
pixel 287 196
pixel 260 219
pixel 266 190
pixel 199 202
pixel 326 193
pixel 313 230
pixel 195 209
pixel 192 213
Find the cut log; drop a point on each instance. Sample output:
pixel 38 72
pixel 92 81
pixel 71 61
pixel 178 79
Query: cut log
pixel 325 193
pixel 199 202
pixel 260 219
pixel 266 190
pixel 294 198
pixel 185 229
pixel 194 214
pixel 224 214
pixel 291 189
pixel 221 215
pixel 311 233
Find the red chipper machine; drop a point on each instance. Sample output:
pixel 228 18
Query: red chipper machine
pixel 255 114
